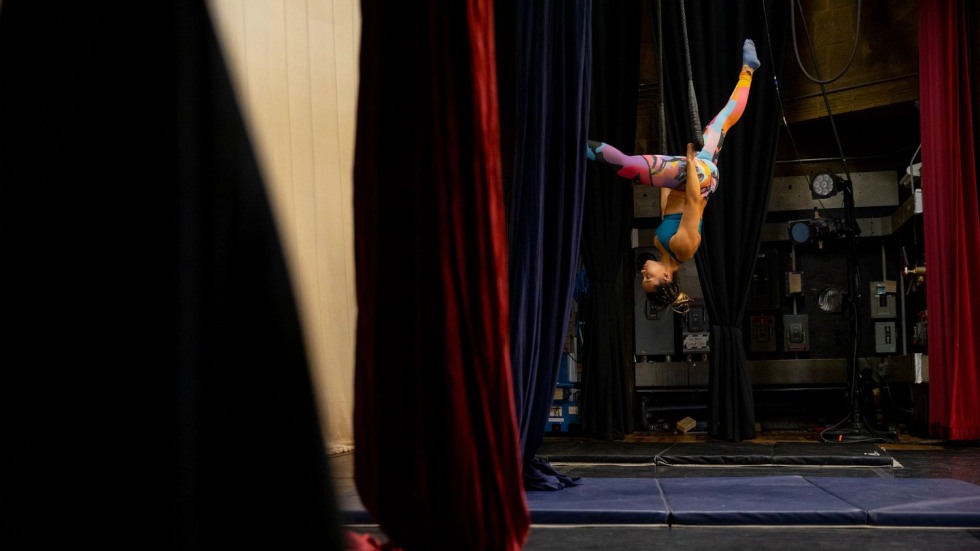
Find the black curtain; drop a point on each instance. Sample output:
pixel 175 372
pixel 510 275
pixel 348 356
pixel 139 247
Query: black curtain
pixel 154 391
pixel 607 221
pixel 545 210
pixel 736 212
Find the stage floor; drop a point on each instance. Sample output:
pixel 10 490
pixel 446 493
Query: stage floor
pixel 688 492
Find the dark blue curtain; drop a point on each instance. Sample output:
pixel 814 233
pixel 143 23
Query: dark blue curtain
pixel 552 71
pixel 154 390
pixel 606 388
pixel 736 212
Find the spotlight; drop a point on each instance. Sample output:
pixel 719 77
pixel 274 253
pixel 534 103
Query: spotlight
pixel 799 231
pixel 812 231
pixel 825 184
pixel 829 300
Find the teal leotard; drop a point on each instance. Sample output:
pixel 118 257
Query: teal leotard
pixel 667 228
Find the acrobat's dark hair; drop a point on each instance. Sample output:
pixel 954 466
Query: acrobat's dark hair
pixel 642 258
pixel 664 295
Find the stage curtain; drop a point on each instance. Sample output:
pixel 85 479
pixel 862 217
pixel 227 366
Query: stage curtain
pixel 606 366
pixel 545 210
pixel 736 212
pixel 155 391
pixel 437 462
pixel 950 220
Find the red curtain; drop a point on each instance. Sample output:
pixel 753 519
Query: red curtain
pixel 437 459
pixel 950 218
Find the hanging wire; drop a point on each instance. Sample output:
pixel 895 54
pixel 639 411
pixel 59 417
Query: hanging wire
pixel 796 49
pixel 775 80
pixel 823 94
pixel 779 97
pixel 853 269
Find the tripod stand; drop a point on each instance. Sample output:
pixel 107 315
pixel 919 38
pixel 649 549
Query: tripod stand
pixel 854 427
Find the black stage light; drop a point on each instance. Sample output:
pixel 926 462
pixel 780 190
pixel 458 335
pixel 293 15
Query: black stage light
pixel 799 231
pixel 811 231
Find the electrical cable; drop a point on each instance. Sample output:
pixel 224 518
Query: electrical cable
pixel 775 80
pixel 823 94
pixel 861 431
pixel 779 97
pixel 796 49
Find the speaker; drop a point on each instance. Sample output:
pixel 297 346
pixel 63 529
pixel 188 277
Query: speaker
pixel 653 331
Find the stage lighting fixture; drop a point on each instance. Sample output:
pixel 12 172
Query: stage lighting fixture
pixel 829 300
pixel 799 231
pixel 811 231
pixel 825 184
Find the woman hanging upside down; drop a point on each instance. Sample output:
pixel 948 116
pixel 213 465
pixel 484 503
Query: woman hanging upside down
pixel 689 180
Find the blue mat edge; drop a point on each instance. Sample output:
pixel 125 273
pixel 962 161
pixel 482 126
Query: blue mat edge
pixel 351 511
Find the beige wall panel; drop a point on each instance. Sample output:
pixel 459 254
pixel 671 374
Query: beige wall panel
pixel 333 144
pixel 295 63
pixel 323 301
pixel 268 96
pixel 228 18
pixel 347 46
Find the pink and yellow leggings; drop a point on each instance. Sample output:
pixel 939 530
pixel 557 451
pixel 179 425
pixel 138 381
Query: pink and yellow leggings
pixel 671 171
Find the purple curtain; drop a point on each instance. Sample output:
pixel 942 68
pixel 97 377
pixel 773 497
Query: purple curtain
pixel 437 462
pixel 607 221
pixel 553 56
pixel 950 220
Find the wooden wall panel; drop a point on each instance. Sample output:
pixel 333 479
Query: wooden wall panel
pixel 883 71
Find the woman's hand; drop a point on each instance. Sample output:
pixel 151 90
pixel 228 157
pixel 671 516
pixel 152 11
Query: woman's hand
pixel 693 184
pixel 692 173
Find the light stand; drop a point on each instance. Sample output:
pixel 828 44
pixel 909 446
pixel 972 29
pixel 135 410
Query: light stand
pixel 854 427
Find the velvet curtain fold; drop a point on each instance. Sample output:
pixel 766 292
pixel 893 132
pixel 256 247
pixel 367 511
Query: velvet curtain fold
pixel 155 391
pixel 950 219
pixel 736 212
pixel 437 461
pixel 607 380
pixel 551 116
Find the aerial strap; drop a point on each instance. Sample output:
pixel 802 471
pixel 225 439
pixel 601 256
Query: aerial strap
pixel 692 100
pixel 658 24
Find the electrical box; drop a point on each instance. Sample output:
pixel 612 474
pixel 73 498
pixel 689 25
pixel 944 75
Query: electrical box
pixel 764 292
pixel 762 333
pixel 695 333
pixel 882 299
pixel 796 333
pixel 794 283
pixel 885 337
pixel 565 415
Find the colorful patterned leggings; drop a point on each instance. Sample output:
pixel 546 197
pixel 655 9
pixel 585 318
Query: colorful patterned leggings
pixel 671 171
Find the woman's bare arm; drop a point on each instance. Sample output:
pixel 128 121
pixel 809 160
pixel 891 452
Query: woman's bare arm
pixel 688 237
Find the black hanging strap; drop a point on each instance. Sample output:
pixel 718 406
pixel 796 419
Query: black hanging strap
pixel 658 25
pixel 692 100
